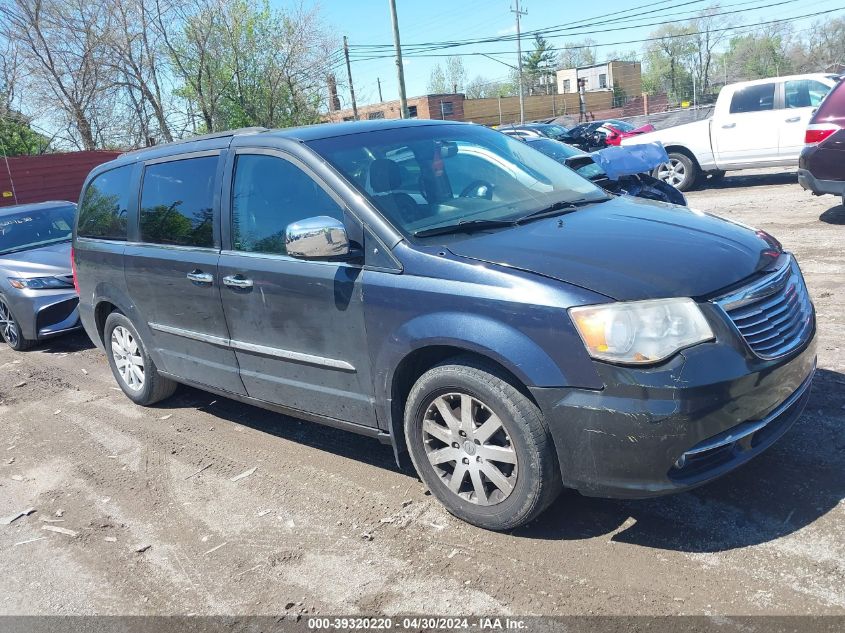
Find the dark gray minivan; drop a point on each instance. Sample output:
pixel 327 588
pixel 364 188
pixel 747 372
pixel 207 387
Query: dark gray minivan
pixel 453 292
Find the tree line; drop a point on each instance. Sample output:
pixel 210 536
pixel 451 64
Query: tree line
pixel 704 52
pixel 118 73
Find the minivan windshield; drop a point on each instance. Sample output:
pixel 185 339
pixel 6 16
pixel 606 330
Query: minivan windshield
pixel 432 176
pixel 32 229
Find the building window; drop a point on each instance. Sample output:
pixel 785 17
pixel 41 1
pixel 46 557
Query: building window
pixel 602 80
pixel 378 114
pixel 567 85
pixel 412 112
pixel 445 108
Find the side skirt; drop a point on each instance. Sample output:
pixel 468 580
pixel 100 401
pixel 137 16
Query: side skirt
pixel 360 429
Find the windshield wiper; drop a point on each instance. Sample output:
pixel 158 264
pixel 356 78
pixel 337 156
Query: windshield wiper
pixel 559 208
pixel 465 226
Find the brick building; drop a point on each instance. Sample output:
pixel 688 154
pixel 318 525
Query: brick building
pixel 621 76
pixel 449 107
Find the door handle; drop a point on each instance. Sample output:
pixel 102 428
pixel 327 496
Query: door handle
pixel 793 119
pixel 728 126
pixel 199 277
pixel 237 281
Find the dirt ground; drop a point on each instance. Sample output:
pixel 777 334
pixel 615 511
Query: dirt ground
pixel 327 524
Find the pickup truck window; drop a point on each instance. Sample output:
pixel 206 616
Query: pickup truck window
pixel 804 93
pixel 753 99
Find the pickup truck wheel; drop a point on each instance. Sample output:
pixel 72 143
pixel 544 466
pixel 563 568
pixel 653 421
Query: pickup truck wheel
pixel 681 171
pixel 480 445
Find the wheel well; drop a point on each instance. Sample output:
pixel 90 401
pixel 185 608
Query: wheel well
pixel 415 365
pixel 101 313
pixel 680 149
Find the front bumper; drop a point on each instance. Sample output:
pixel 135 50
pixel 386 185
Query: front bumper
pixel 820 187
pixel 655 431
pixel 43 314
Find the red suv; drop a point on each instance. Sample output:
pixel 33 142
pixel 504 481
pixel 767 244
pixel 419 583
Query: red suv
pixel 821 168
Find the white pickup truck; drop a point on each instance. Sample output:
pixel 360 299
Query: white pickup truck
pixel 754 124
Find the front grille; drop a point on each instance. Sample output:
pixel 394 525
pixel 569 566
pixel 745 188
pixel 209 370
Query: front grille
pixel 774 315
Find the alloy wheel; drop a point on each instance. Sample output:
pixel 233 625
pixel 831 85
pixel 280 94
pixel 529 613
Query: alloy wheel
pixel 674 172
pixel 469 449
pixel 127 358
pixel 8 327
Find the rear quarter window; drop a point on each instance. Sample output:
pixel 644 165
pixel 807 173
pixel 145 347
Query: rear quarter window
pixel 102 213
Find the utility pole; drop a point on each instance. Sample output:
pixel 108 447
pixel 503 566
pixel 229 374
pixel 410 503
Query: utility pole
pixel 378 81
pixel 400 72
pixel 519 14
pixel 349 76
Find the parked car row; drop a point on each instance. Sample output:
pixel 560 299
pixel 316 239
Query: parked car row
pixel 448 290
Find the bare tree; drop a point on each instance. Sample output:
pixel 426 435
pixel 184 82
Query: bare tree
pixel 60 46
pixel 710 32
pixel 135 54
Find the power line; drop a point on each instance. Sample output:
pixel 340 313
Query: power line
pixel 620 43
pixel 573 30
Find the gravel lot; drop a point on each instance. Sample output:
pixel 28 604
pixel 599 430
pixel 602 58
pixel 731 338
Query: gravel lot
pixel 162 529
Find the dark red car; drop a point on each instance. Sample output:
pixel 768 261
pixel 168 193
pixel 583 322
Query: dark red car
pixel 821 167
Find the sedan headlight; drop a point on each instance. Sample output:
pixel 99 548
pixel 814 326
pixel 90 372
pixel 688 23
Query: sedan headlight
pixel 40 283
pixel 640 331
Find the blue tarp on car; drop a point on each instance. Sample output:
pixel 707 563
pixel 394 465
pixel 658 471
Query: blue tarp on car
pixel 630 160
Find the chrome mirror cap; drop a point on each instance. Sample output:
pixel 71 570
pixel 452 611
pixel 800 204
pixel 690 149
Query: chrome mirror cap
pixel 320 237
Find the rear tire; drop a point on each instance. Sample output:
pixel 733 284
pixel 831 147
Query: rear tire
pixel 10 329
pixel 681 172
pixel 133 369
pixel 465 419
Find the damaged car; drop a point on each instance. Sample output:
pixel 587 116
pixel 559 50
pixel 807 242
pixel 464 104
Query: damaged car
pixel 619 170
pixel 450 291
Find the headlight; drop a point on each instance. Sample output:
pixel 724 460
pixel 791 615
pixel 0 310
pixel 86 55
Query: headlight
pixel 40 283
pixel 640 331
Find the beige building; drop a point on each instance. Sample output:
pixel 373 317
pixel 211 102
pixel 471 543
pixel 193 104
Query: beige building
pixel 624 76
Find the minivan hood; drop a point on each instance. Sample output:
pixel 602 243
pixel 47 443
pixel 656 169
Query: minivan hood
pixel 628 249
pixel 38 262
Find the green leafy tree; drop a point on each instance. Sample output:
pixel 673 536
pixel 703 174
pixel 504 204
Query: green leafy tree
pixel 668 61
pixel 538 67
pixel 17 138
pixel 756 56
pixel 244 63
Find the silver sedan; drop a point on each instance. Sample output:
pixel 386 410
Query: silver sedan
pixel 37 295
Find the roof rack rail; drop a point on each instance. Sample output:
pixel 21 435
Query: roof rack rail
pixel 204 137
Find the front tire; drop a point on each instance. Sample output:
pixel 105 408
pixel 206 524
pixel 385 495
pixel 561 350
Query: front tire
pixel 10 329
pixel 480 445
pixel 681 171
pixel 133 369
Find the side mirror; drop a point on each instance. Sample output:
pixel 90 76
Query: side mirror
pixel 320 237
